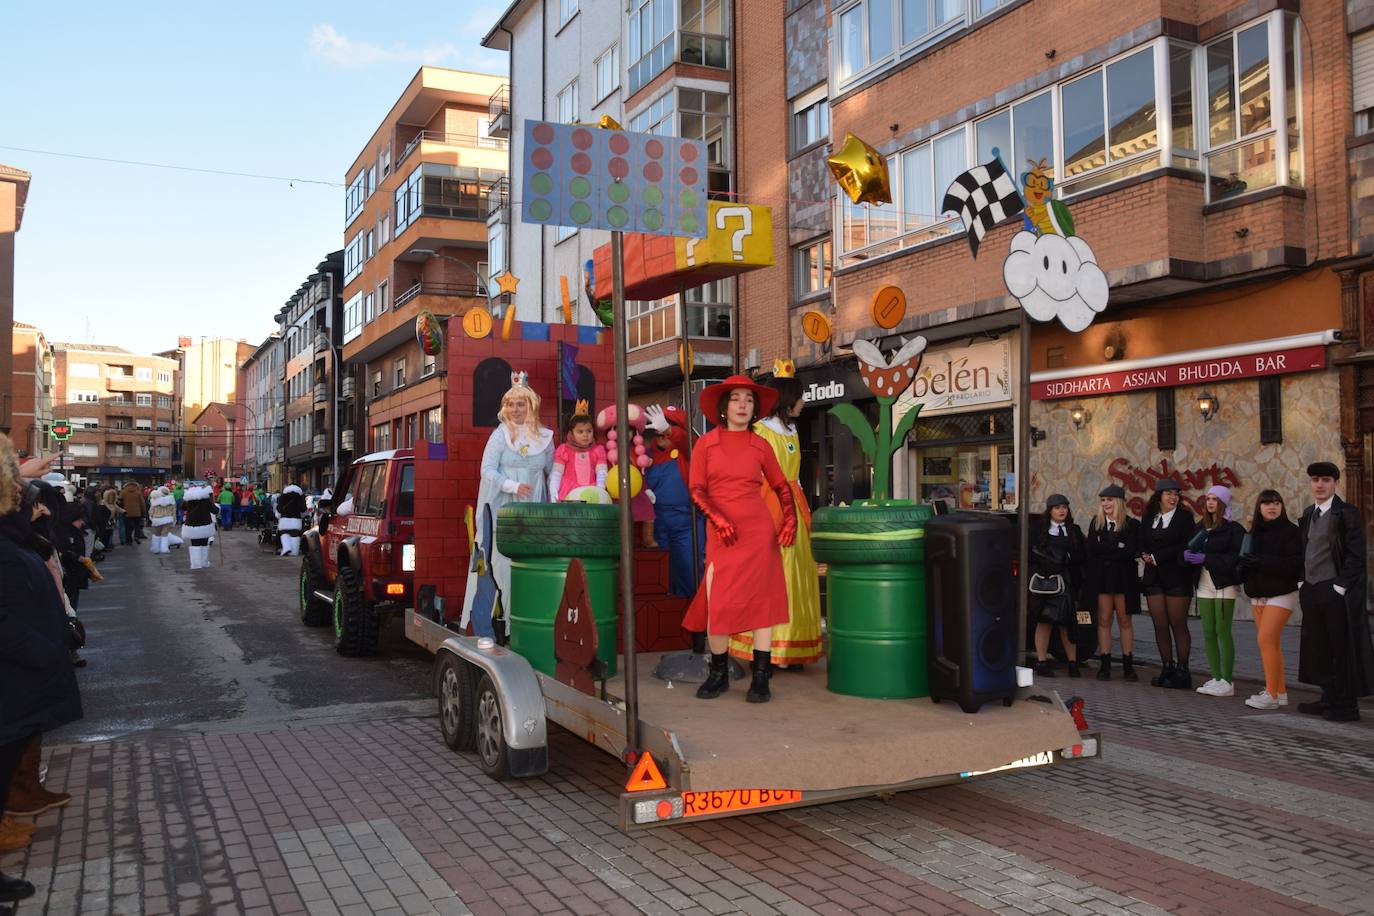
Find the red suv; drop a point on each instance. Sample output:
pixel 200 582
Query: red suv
pixel 359 561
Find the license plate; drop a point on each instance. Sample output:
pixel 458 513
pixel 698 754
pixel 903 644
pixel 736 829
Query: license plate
pixel 695 804
pixel 1085 617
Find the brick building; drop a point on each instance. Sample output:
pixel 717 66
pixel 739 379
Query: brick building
pixel 123 410
pixel 311 390
pixel 14 194
pixel 415 232
pixel 30 391
pixel 207 373
pixel 223 442
pixel 260 382
pixel 1210 153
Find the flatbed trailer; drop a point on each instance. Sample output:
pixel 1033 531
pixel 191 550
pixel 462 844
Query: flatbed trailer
pixel 726 757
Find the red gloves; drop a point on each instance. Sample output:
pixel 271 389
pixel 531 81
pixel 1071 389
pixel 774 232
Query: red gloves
pixel 724 530
pixel 788 535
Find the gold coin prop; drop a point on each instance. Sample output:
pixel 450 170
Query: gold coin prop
pixel 816 326
pixel 477 323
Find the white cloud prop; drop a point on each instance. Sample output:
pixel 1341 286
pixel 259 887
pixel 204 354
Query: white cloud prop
pixel 1054 276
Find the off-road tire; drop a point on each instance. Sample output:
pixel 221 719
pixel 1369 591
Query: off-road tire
pixel 558 530
pixel 856 535
pixel 313 611
pixel 355 620
pixel 454 683
pixel 492 752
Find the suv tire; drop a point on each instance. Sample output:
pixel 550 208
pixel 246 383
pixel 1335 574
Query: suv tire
pixel 355 621
pixel 558 530
pixel 314 612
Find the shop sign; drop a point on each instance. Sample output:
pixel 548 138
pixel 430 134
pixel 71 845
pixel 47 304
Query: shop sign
pixel 958 378
pixel 1196 372
pixel 116 469
pixel 832 385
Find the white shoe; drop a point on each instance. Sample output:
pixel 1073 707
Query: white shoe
pixel 1224 689
pixel 1263 700
pixel 1207 687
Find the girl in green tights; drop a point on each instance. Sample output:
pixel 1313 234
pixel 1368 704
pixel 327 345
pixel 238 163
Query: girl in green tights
pixel 1217 550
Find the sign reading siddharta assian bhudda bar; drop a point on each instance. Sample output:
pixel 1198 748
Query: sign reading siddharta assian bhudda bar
pixel 1193 372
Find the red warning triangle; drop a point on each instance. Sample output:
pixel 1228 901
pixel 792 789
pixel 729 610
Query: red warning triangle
pixel 646 777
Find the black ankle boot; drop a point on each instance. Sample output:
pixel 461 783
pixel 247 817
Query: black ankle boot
pixel 718 680
pixel 1183 678
pixel 763 669
pixel 1044 668
pixel 1165 675
pixel 1073 668
pixel 1104 670
pixel 1128 668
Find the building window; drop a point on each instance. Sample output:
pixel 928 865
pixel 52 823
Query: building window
pixel 430 363
pixel 566 110
pixel 411 422
pixel 381 437
pixel 871 31
pixel 383 229
pixel 656 117
pixel 447 191
pixel 143 374
pixel 370 246
pixel 354 197
pixel 709 310
pixel 143 400
pixel 1362 72
pixel 383 296
pixel 607 68
pixel 652 44
pixel 1022 134
pixel 566 10
pixel 369 307
pixel 353 317
pixel 1271 410
pixel 384 159
pixel 377 384
pixel 164 377
pixel 1166 426
pixel 83 397
pixel 1109 116
pixel 812 268
pixel 164 401
pixel 145 425
pixel 703 34
pixel 810 122
pixel 705 116
pixel 119 422
pixel 398 374
pixel 84 422
pixel 434 424
pixel 353 257
pixel 83 449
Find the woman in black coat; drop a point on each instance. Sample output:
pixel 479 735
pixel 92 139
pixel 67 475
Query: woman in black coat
pixel 1272 568
pixel 1168 582
pixel 1113 546
pixel 1056 565
pixel 38 690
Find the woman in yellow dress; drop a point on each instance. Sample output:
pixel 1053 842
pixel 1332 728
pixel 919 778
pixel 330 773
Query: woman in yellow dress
pixel 798 642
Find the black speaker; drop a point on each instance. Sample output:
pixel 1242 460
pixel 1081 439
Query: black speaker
pixel 971 603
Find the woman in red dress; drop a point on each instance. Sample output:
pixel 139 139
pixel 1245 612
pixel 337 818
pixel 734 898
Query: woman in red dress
pixel 744 588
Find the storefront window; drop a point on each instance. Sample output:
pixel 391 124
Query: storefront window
pixel 965 459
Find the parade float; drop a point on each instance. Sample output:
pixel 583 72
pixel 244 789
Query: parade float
pixel 511 660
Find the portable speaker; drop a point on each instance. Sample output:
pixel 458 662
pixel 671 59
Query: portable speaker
pixel 971 600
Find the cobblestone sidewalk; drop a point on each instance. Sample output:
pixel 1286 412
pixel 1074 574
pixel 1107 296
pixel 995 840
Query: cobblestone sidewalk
pixel 1200 806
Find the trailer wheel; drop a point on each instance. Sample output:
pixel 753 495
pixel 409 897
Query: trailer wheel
pixel 492 752
pixel 355 621
pixel 457 714
pixel 314 613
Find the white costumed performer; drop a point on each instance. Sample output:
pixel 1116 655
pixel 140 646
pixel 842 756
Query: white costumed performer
pixel 290 508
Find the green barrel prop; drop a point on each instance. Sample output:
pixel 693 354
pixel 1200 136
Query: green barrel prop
pixel 541 539
pixel 875 598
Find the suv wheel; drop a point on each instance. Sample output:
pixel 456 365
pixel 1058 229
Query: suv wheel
pixel 355 621
pixel 457 711
pixel 314 612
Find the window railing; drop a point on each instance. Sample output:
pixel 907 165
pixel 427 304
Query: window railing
pixel 498 112
pixel 468 290
pixel 469 141
pixel 498 199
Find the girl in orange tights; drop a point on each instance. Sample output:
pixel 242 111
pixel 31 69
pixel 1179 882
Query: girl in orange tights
pixel 1272 565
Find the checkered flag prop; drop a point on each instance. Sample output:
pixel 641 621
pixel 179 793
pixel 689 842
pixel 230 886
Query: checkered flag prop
pixel 983 197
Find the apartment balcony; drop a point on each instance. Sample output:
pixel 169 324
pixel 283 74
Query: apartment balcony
pixel 321 393
pixel 348 388
pixel 436 141
pixel 442 290
pixel 319 445
pixel 279 414
pixel 498 201
pixel 346 440
pixel 498 113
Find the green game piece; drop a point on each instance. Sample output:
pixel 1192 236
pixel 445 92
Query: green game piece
pixel 541 183
pixel 651 219
pixel 580 187
pixel 688 199
pixel 540 210
pixel 653 197
pixel 688 223
pixel 580 212
pixel 617 216
pixel 618 192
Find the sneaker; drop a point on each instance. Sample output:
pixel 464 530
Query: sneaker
pixel 1207 687
pixel 1224 689
pixel 1262 700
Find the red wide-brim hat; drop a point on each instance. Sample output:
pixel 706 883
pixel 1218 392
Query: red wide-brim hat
pixel 764 397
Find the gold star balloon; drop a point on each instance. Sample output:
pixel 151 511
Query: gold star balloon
pixel 861 171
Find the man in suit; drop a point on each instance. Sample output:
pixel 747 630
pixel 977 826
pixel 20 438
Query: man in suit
pixel 1336 653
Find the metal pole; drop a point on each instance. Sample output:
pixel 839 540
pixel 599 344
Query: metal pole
pixel 684 342
pixel 627 553
pixel 1023 489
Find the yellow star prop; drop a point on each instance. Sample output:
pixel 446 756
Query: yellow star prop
pixel 507 282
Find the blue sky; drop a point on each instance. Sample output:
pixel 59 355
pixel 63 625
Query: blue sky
pixel 135 256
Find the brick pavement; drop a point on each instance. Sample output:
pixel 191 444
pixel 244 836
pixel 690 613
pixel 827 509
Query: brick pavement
pixel 1200 806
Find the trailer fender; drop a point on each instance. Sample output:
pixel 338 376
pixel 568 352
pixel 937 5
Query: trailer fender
pixel 310 544
pixel 350 554
pixel 522 702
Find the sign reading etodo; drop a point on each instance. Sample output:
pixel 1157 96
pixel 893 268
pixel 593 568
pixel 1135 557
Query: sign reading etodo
pixel 1194 372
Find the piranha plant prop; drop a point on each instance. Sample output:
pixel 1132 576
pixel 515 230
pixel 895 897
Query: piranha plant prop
pixel 887 379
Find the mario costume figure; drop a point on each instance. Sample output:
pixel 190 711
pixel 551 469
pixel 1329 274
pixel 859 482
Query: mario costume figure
pixel 667 477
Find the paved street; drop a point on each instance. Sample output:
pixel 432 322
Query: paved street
pixel 231 763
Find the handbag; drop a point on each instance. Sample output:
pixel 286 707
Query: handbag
pixel 76 633
pixel 1046 585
